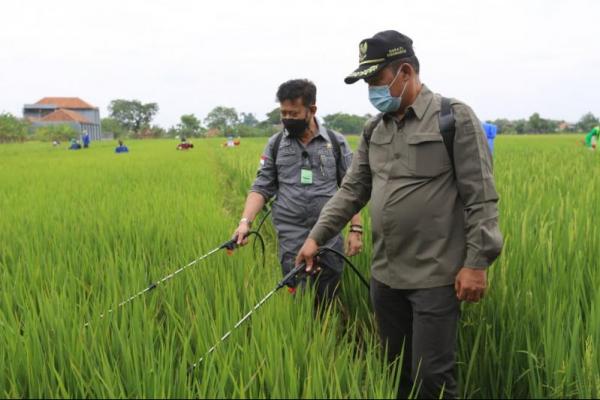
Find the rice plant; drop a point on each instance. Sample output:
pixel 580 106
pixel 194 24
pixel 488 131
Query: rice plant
pixel 82 231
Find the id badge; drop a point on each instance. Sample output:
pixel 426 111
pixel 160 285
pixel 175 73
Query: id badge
pixel 306 176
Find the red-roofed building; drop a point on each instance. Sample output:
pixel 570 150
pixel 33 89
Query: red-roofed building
pixel 66 102
pixel 72 111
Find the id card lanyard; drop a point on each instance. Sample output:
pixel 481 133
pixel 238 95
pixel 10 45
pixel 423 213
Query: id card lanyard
pixel 306 174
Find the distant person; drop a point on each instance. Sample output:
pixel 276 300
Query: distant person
pixel 121 148
pixel 86 139
pixel 74 145
pixel 231 142
pixel 184 145
pixel 592 138
pixel 491 132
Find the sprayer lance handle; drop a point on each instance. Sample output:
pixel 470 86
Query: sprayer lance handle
pixel 229 245
pixel 232 244
pixel 288 278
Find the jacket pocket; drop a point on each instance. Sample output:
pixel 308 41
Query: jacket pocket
pixel 427 155
pixel 288 167
pixel 380 148
pixel 325 160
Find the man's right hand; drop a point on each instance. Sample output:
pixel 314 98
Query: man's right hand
pixel 306 254
pixel 241 233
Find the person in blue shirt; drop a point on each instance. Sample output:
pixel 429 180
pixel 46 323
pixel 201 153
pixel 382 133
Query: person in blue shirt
pixel 74 145
pixel 121 148
pixel 86 139
pixel 491 132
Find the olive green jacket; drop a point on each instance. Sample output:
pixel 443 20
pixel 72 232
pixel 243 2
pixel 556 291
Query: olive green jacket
pixel 428 218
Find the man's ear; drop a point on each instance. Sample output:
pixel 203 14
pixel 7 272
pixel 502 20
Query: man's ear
pixel 313 109
pixel 407 71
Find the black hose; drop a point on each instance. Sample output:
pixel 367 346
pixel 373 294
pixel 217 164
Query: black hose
pixel 264 218
pixel 347 261
pixel 262 245
pixel 256 232
pixel 321 250
pixel 232 245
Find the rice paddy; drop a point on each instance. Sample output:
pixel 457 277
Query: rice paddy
pixel 80 231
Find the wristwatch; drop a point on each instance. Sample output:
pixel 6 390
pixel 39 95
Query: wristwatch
pixel 356 229
pixel 246 220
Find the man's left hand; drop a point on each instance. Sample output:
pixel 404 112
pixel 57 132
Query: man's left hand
pixel 353 244
pixel 470 284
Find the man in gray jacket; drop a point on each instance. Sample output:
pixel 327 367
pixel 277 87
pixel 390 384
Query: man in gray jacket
pixel 433 211
pixel 302 166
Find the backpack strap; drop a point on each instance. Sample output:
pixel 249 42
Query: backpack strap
pixel 447 127
pixel 337 154
pixel 274 151
pixel 371 127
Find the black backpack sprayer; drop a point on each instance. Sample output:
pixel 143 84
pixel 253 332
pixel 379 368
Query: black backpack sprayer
pixel 230 245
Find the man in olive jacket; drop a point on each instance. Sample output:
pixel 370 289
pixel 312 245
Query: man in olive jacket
pixel 433 210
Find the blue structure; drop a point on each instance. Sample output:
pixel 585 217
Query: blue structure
pixel 491 131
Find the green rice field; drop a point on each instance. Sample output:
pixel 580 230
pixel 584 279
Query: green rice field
pixel 80 231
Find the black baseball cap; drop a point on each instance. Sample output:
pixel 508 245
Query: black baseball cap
pixel 377 52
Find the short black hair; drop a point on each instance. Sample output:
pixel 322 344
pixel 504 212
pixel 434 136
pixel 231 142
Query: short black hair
pixel 412 60
pixel 298 88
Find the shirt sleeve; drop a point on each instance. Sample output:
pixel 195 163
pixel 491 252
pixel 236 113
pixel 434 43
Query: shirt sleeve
pixel 476 187
pixel 352 196
pixel 266 176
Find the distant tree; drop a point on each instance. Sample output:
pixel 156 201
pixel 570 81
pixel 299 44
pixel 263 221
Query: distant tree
pixel 113 126
pixel 60 132
pixel 535 124
pixel 520 126
pixel 13 129
pixel 157 131
pixel 254 131
pixel 222 118
pixel 504 126
pixel 552 125
pixel 133 115
pixel 587 122
pixel 248 119
pixel 273 117
pixel 345 123
pixel 172 132
pixel 190 126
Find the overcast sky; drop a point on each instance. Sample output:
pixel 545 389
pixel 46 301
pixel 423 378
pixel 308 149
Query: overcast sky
pixel 504 58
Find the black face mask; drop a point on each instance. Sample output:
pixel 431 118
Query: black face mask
pixel 295 127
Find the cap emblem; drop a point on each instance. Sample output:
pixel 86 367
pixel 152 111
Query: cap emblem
pixel 362 51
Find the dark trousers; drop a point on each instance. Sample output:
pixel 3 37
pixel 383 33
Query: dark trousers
pixel 423 322
pixel 327 284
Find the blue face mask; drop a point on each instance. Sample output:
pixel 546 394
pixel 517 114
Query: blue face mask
pixel 382 99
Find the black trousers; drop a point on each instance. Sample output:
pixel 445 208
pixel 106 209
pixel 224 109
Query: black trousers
pixel 424 323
